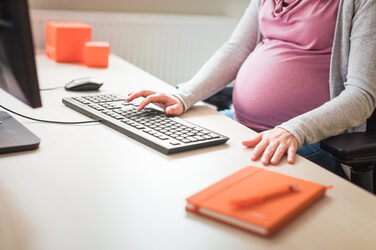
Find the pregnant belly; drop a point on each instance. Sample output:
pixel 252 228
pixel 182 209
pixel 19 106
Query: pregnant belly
pixel 276 84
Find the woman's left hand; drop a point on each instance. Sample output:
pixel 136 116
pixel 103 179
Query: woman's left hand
pixel 271 145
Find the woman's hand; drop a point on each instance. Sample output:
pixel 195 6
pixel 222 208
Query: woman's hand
pixel 171 104
pixel 271 145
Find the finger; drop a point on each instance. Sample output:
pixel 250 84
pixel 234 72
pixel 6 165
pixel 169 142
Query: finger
pixel 143 93
pixel 152 99
pixel 281 150
pixel 253 141
pixel 259 150
pixel 161 105
pixel 291 153
pixel 268 153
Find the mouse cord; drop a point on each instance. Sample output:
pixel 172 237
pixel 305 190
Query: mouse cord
pixel 53 88
pixel 47 121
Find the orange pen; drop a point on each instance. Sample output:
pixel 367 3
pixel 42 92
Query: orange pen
pixel 261 196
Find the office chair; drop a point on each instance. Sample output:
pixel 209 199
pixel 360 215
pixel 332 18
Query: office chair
pixel 357 150
pixel 222 100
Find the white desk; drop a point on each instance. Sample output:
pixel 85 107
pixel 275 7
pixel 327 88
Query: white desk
pixel 90 187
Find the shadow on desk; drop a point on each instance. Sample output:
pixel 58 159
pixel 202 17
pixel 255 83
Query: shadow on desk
pixel 14 234
pixel 202 151
pixel 17 154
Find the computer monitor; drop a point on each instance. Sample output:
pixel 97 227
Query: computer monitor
pixel 18 75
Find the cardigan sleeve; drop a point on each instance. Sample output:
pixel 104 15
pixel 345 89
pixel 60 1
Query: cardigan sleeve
pixel 356 102
pixel 224 65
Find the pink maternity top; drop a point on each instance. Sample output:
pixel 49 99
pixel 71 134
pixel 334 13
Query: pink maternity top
pixel 288 72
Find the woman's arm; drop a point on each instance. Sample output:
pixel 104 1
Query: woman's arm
pixel 357 101
pixel 224 65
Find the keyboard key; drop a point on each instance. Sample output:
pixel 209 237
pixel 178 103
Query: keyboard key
pixel 213 135
pixel 200 138
pixel 175 143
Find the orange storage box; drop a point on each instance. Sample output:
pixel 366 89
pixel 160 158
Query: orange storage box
pixel 96 54
pixel 65 41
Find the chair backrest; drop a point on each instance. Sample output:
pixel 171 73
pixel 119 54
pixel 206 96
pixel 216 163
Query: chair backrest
pixel 371 122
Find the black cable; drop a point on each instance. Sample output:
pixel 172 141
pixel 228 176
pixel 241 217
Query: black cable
pixel 47 121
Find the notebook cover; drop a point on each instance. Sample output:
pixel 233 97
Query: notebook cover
pixel 264 218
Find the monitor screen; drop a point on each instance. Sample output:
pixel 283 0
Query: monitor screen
pixel 18 74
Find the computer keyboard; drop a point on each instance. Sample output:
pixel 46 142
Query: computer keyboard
pixel 149 126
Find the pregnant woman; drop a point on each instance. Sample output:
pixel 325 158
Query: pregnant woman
pixel 304 71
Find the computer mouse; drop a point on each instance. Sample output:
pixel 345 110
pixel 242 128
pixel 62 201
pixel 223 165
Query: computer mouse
pixel 84 84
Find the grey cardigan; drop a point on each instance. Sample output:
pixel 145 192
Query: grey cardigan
pixel 352 72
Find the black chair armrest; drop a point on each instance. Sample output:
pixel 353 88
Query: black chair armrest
pixel 352 148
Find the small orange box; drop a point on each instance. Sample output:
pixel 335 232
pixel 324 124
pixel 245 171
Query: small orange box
pixel 65 41
pixel 96 54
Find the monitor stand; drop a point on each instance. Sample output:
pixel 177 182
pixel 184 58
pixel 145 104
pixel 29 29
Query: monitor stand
pixel 14 136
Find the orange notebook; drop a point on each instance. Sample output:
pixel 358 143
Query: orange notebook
pixel 263 218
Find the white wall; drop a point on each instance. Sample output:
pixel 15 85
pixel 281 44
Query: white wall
pixel 171 47
pixel 200 7
pixel 190 36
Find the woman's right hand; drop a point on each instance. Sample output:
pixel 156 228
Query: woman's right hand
pixel 171 104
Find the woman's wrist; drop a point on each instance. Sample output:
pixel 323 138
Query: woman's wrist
pixel 293 132
pixel 181 101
